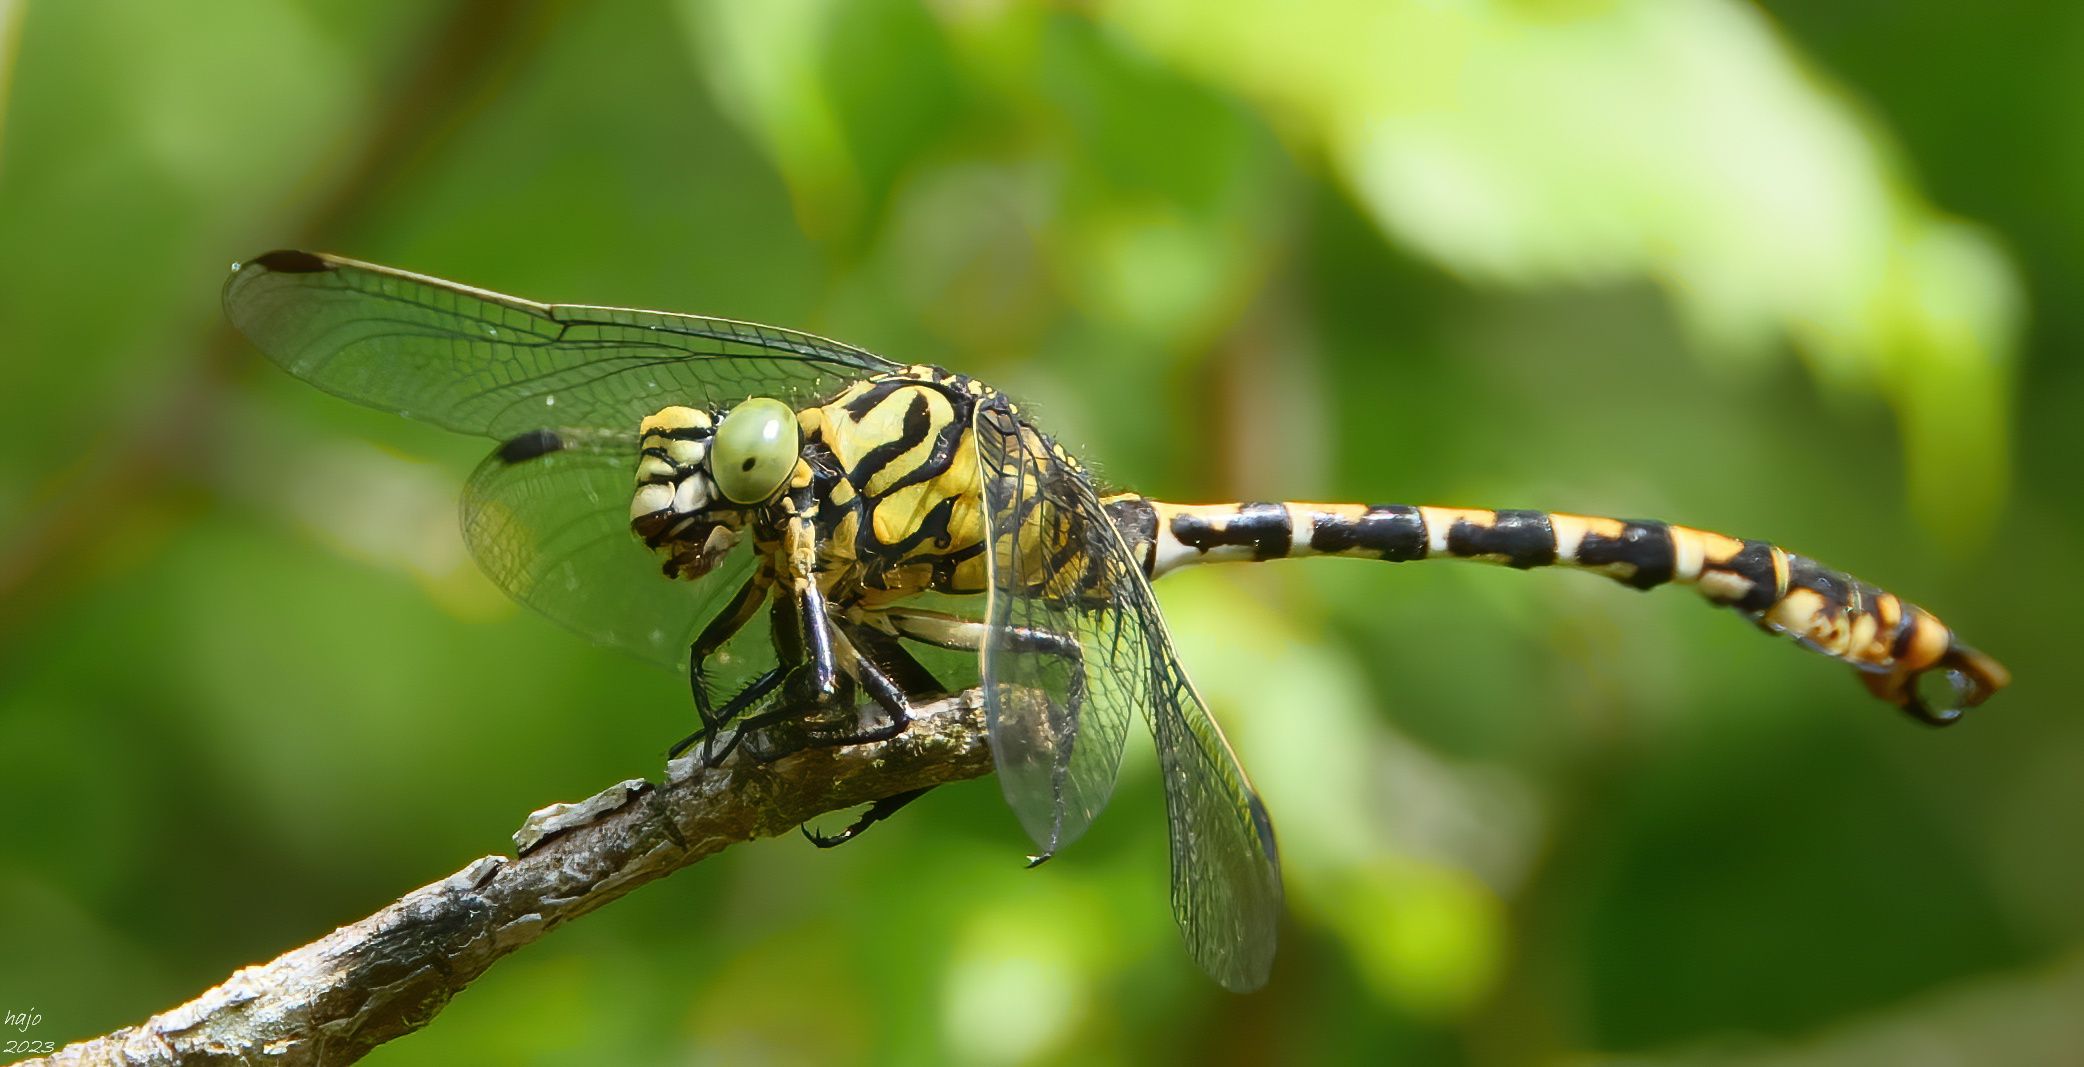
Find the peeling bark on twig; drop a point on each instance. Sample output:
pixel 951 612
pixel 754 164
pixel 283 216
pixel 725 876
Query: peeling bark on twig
pixel 335 999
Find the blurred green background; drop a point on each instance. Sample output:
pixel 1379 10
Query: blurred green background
pixel 1789 270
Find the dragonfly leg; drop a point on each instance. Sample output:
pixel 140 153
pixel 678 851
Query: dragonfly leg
pixel 900 674
pixel 877 684
pixel 804 671
pixel 904 668
pixel 809 689
pixel 754 725
pixel 712 639
pixel 803 626
pixel 954 632
pixel 755 691
pixel 968 635
pixel 790 712
pixel 817 681
pixel 877 812
pixel 796 675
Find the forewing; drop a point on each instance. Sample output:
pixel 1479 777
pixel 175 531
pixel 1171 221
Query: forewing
pixel 480 362
pixel 1058 563
pixel 553 532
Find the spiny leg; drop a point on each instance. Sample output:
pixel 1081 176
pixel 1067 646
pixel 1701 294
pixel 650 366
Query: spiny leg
pixel 942 631
pixel 744 604
pixel 754 725
pixel 803 617
pixel 755 691
pixel 903 668
pixel 875 676
pixel 877 812
pixel 875 683
pixel 913 678
pixel 806 671
pixel 958 634
pixel 955 633
pixel 828 668
pixel 968 635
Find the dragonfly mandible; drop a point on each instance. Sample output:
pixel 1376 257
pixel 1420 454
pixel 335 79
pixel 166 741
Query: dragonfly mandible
pixel 665 482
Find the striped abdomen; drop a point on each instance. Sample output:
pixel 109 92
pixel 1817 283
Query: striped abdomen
pixel 1893 642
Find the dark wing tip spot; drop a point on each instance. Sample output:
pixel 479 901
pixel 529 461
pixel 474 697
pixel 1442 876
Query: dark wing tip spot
pixel 1265 825
pixel 529 446
pixel 290 261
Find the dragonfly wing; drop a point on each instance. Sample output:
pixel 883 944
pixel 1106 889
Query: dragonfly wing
pixel 552 530
pixel 480 362
pixel 1226 870
pixel 1058 564
pixel 1058 722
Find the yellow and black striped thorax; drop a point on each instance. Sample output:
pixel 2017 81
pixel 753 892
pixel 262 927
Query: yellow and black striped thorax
pixel 899 505
pixel 891 466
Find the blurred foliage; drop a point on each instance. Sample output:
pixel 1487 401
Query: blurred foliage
pixel 1537 253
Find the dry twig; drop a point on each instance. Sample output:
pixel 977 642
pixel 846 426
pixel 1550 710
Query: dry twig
pixel 335 999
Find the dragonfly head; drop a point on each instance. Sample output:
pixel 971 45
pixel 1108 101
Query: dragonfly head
pixel 700 476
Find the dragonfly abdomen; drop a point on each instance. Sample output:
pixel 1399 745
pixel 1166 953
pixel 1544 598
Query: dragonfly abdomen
pixel 1890 640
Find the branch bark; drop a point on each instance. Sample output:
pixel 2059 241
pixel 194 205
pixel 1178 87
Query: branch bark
pixel 335 999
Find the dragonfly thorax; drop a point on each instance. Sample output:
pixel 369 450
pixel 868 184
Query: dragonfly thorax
pixel 677 509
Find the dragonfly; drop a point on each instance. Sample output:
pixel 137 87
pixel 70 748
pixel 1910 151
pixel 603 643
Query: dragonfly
pixel 668 484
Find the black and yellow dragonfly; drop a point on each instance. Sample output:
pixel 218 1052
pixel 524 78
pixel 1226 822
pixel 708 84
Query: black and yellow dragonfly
pixel 670 483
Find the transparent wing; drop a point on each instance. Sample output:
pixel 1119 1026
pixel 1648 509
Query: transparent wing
pixel 553 532
pixel 1058 565
pixel 479 362
pixel 1226 870
pixel 1058 722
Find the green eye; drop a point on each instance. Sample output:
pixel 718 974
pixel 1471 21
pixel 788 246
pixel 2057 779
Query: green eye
pixel 755 450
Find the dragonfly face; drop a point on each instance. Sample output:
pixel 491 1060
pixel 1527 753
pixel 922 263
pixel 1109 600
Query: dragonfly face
pixel 698 476
pixel 790 477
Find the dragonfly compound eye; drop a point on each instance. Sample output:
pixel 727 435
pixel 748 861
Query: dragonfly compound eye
pixel 755 449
